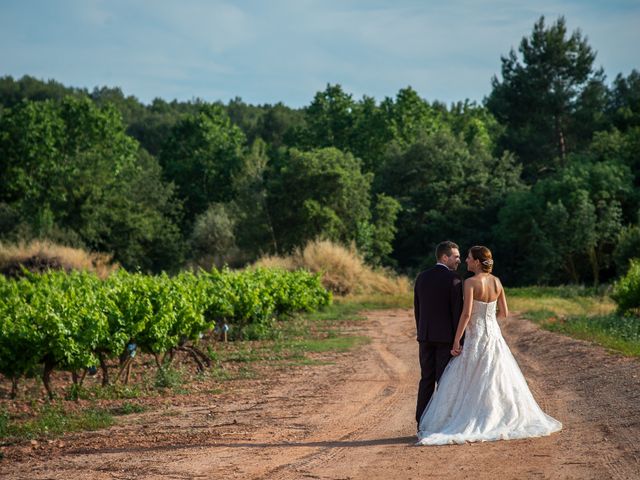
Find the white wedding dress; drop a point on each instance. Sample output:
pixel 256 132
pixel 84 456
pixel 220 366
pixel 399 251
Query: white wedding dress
pixel 482 394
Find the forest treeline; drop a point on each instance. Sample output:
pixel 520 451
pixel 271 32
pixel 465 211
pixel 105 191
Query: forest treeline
pixel 546 171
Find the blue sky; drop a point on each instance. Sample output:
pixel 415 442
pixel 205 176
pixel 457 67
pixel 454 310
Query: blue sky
pixel 287 50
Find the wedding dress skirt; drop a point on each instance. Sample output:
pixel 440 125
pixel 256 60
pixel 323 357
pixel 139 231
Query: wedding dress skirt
pixel 482 394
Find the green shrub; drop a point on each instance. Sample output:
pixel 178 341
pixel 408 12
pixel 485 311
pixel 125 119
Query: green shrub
pixel 259 331
pixel 627 246
pixel 626 292
pixel 4 423
pixel 127 408
pixel 168 377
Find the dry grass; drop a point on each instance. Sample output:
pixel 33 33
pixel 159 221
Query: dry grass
pixel 563 307
pixel 376 301
pixel 343 270
pixel 45 254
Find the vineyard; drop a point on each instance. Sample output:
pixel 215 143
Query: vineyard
pixel 80 323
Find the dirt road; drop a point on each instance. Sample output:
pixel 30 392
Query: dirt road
pixel 353 419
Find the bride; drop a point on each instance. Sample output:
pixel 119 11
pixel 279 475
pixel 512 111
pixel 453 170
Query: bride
pixel 482 394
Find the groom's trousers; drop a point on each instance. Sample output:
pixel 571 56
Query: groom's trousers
pixel 434 357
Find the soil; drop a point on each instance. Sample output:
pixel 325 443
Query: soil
pixel 352 418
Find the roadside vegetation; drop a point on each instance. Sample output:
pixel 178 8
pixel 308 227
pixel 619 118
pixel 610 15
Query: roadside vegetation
pixel 343 270
pixel 298 341
pixel 584 313
pixel 275 321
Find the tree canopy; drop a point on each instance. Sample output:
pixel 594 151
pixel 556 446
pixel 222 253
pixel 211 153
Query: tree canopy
pixel 545 171
pixel 549 98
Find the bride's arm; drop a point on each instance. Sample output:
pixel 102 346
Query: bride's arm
pixel 465 316
pixel 503 310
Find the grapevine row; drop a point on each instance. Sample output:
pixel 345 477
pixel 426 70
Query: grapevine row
pixel 74 321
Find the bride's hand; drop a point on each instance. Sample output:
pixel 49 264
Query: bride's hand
pixel 457 349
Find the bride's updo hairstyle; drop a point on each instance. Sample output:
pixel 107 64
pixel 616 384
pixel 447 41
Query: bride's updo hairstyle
pixel 484 255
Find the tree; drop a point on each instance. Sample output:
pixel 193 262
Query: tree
pixel 370 135
pixel 12 92
pixel 383 231
pixel 254 226
pixel 566 226
pixel 548 100
pixel 622 148
pixel 335 119
pixel 329 120
pixel 152 125
pixel 56 156
pixel 410 117
pixel 70 173
pixel 474 123
pixel 322 192
pixel 213 240
pixel 623 105
pixel 130 108
pixel 201 155
pixel 278 126
pixel 447 189
pixel 138 219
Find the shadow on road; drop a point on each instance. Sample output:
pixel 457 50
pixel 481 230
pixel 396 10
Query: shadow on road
pixel 213 444
pixel 327 444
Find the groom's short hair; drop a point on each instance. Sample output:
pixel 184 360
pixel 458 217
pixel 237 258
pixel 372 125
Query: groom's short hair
pixel 445 248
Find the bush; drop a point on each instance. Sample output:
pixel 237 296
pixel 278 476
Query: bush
pixel 168 377
pixel 626 292
pixel 258 331
pixel 213 240
pixel 627 247
pixel 4 423
pixel 39 256
pixel 343 270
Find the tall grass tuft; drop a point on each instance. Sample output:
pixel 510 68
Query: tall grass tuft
pixel 343 270
pixel 41 255
pixel 566 300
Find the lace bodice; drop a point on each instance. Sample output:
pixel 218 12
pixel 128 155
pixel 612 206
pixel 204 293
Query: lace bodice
pixel 483 321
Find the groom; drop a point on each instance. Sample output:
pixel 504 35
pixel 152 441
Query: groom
pixel 437 306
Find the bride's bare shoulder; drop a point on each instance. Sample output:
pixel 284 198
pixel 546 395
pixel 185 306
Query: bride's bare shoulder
pixel 471 281
pixel 498 284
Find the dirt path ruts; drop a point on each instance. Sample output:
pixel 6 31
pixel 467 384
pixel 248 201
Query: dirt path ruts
pixel 354 420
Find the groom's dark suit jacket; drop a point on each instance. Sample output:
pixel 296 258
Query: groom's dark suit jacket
pixel 437 304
